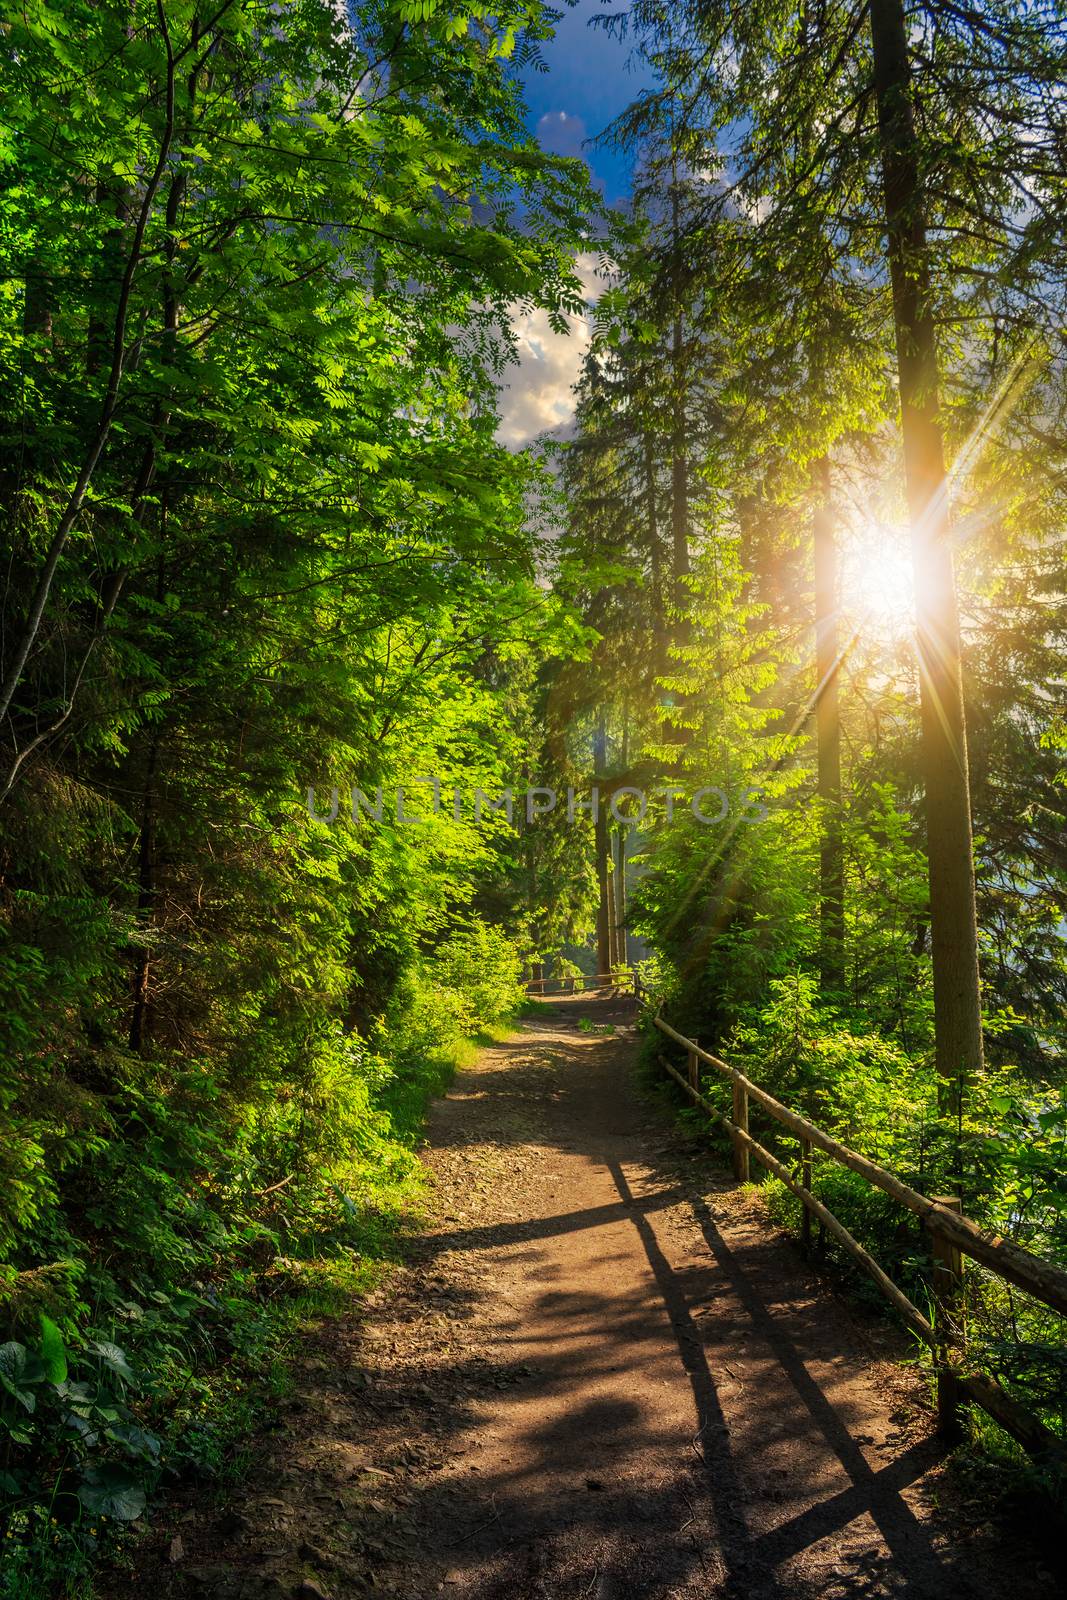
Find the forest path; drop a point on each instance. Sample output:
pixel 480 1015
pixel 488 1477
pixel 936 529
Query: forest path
pixel 685 1411
pixel 601 1376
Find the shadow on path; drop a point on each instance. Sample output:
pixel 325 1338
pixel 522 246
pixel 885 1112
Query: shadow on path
pixel 601 1376
pixel 660 1362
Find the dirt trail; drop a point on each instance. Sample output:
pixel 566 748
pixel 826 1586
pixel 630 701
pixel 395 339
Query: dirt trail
pixel 602 1375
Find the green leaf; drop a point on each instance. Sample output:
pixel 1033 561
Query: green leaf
pixel 114 1359
pixel 16 1373
pixel 112 1491
pixel 12 1362
pixel 25 1397
pixel 53 1351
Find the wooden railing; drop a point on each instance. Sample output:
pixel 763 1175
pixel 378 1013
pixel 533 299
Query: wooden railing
pixel 628 982
pixel 952 1236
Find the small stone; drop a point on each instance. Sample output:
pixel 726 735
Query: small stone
pixel 310 1590
pixel 260 1587
pixel 177 1549
pixel 232 1523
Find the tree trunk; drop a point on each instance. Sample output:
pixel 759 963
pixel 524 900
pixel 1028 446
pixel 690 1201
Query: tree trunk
pixel 953 922
pixel 619 849
pixel 679 459
pixel 146 892
pixel 655 557
pixel 675 733
pixel 622 951
pixel 679 497
pixel 600 841
pixel 613 907
pixel 828 737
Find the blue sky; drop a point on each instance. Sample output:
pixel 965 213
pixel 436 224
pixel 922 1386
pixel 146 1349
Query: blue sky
pixel 591 77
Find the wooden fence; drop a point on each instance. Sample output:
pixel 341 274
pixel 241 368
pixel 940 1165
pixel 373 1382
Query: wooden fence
pixel 628 982
pixel 951 1234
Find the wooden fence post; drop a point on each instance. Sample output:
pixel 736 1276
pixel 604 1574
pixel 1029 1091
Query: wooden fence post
pixel 948 1270
pixel 805 1183
pixel 951 1236
pixel 741 1172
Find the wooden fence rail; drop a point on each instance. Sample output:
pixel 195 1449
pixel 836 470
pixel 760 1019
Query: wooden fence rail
pixel 601 980
pixel 952 1236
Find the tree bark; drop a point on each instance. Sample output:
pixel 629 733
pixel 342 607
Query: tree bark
pixel 613 906
pixel 600 843
pixel 679 458
pixel 146 894
pixel 828 736
pixel 953 921
pixel 655 557
pixel 622 942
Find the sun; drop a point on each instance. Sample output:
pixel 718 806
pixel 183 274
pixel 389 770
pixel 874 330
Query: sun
pixel 878 584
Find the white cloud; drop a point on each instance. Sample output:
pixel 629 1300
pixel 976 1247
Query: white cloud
pixel 757 210
pixel 538 395
pixel 590 270
pixel 561 133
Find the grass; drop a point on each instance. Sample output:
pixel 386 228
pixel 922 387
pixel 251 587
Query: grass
pixel 585 1025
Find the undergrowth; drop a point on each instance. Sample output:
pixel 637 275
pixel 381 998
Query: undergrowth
pixel 173 1286
pixel 1003 1155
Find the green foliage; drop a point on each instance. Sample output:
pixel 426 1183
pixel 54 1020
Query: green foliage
pixel 209 1266
pixel 259 269
pixel 106 1459
pixel 1004 1156
pixel 259 275
pixel 479 970
pixel 742 382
